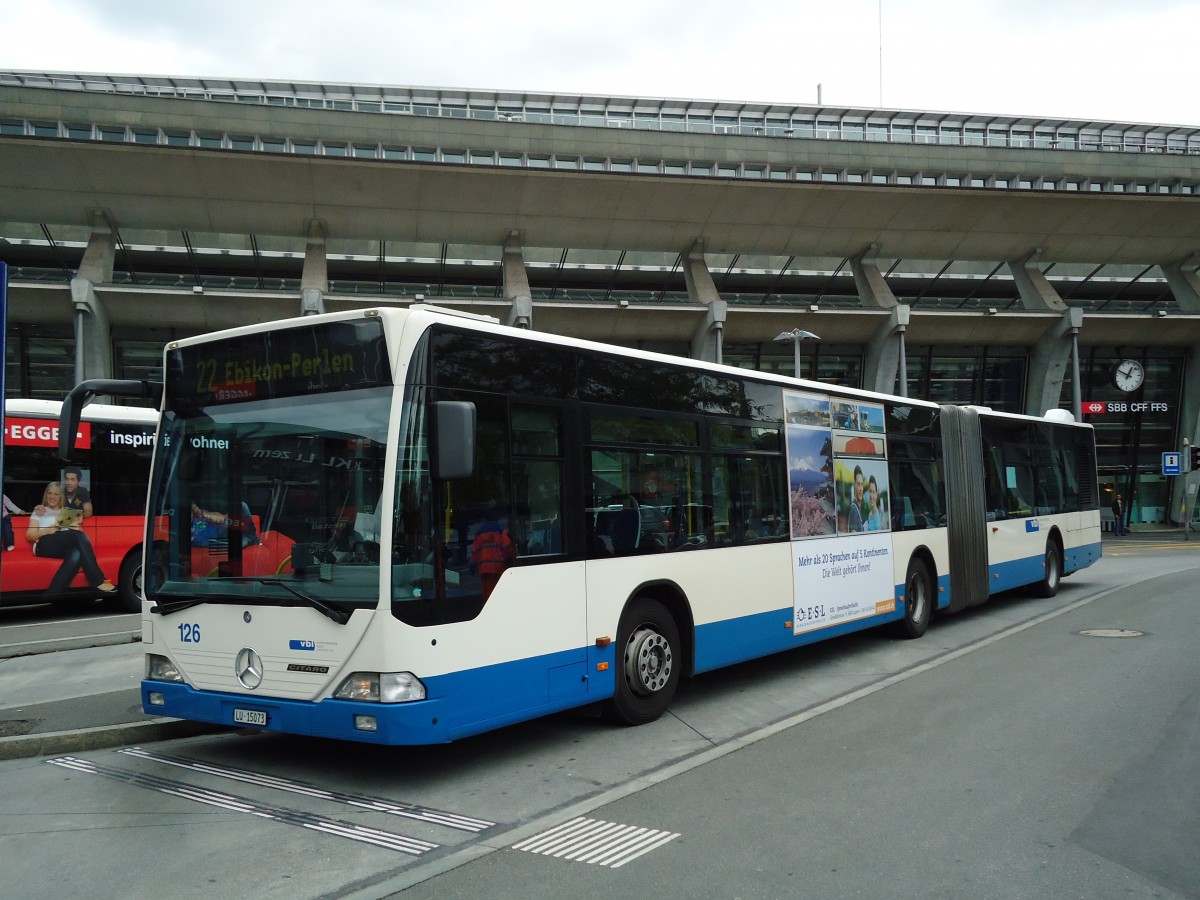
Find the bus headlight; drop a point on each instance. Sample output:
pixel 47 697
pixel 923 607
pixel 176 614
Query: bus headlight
pixel 159 668
pixel 381 687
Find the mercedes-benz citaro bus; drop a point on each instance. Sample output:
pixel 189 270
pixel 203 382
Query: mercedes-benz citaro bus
pixel 113 446
pixel 407 526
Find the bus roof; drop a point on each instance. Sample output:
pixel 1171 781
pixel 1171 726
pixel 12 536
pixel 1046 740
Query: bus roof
pixel 1054 416
pixel 423 315
pixel 95 412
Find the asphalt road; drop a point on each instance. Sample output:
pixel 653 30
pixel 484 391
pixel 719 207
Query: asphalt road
pixel 1005 754
pixel 1048 764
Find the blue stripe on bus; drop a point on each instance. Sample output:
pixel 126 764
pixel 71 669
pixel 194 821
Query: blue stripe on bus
pixel 1030 570
pixel 1082 557
pixel 749 637
pixel 1015 573
pixel 458 704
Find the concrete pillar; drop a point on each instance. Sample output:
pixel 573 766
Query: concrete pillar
pixel 1035 291
pixel 1185 285
pixel 872 288
pixel 93 333
pixel 1050 363
pixel 1189 428
pixel 884 365
pixel 314 281
pixel 520 313
pixel 708 338
pixel 516 284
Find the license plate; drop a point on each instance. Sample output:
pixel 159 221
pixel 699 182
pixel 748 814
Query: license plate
pixel 249 717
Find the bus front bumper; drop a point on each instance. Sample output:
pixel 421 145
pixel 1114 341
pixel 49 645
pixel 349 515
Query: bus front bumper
pixel 373 723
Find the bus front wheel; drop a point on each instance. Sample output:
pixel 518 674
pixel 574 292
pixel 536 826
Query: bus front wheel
pixel 918 601
pixel 1052 575
pixel 648 664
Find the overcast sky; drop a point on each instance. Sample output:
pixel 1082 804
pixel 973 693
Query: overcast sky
pixel 1112 60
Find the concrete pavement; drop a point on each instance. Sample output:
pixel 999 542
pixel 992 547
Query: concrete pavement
pixel 75 700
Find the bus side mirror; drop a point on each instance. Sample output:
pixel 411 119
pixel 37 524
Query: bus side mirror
pixel 77 398
pixel 454 426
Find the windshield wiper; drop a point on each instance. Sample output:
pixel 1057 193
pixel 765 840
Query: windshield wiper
pixel 173 606
pixel 338 615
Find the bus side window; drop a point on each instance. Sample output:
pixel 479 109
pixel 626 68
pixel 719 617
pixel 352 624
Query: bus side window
pixel 537 497
pixel 647 502
pixel 537 490
pixel 996 500
pixel 1019 482
pixel 746 502
pixel 918 484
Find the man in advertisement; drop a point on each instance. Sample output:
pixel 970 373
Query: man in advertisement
pixel 78 497
pixel 854 518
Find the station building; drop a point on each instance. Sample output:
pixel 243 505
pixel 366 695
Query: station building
pixel 957 257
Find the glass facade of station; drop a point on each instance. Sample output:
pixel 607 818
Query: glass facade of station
pixel 1135 429
pixel 1132 432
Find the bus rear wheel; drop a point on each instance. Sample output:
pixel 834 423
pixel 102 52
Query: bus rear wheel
pixel 647 664
pixel 1052 575
pixel 128 595
pixel 918 601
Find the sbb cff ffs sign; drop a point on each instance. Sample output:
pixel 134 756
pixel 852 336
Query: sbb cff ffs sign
pixel 1099 407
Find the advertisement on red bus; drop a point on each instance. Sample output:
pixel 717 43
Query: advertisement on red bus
pixel 74 530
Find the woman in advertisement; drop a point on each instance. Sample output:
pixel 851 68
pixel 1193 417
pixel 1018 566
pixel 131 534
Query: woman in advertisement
pixel 57 532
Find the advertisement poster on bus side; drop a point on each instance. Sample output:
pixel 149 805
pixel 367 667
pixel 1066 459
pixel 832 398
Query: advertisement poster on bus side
pixel 841 579
pixel 839 505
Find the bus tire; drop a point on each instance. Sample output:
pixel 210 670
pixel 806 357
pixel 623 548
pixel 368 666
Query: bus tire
pixel 918 601
pixel 128 595
pixel 648 664
pixel 1052 565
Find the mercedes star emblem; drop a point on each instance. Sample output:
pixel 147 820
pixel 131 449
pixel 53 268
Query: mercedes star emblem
pixel 248 668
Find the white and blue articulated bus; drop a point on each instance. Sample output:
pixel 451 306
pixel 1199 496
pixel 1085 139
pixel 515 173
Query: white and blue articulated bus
pixel 407 526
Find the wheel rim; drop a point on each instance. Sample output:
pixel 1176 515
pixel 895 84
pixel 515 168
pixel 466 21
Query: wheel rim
pixel 916 598
pixel 648 661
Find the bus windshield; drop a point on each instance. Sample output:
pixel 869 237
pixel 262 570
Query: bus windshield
pixel 270 501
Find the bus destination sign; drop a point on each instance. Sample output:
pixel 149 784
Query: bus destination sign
pixel 333 356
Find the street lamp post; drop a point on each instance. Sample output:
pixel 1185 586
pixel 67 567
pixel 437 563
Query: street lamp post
pixel 795 336
pixel 1074 323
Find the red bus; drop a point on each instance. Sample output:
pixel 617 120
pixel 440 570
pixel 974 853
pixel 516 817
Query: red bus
pixel 113 449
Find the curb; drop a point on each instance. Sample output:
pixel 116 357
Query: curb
pixel 81 642
pixel 23 746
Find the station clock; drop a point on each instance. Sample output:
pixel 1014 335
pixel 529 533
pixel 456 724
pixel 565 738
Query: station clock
pixel 1129 375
